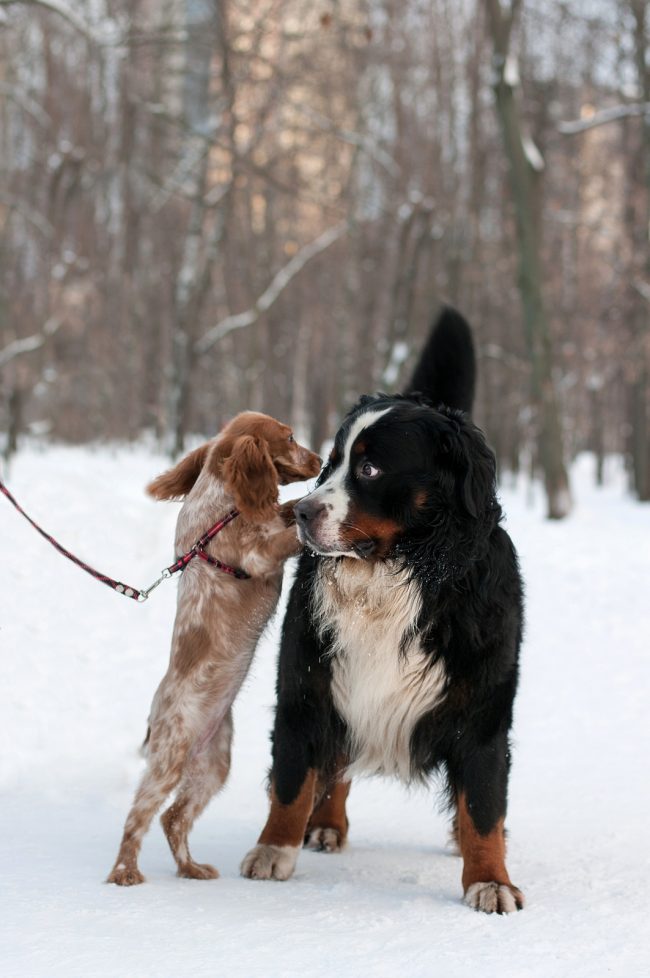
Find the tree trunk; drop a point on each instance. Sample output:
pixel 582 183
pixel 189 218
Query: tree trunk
pixel 525 166
pixel 14 421
pixel 640 231
pixel 205 27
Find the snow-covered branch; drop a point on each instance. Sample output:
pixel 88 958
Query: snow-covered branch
pixel 532 153
pixel 29 343
pixel 278 284
pixel 613 114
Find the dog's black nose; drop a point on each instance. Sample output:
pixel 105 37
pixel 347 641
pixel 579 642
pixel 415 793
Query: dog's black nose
pixel 307 509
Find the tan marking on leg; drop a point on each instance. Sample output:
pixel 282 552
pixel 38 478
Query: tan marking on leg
pixel 274 856
pixel 454 832
pixel 286 824
pixel 486 883
pixel 483 855
pixel 328 826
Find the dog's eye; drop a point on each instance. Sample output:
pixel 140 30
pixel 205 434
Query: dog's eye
pixel 291 438
pixel 368 471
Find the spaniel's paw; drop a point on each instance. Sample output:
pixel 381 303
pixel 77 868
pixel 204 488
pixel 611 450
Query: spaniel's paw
pixel 125 875
pixel 198 871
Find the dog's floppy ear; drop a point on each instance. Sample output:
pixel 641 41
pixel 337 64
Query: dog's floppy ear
pixel 250 475
pixel 177 482
pixel 475 462
pixel 478 489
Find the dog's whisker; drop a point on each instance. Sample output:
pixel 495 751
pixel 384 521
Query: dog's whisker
pixel 352 526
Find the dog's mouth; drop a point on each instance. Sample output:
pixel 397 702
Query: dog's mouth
pixel 361 549
pixel 290 470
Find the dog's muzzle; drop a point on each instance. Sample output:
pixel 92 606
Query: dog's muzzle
pixel 311 520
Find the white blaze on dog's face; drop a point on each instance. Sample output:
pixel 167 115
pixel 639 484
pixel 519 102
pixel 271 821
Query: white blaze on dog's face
pixel 328 520
pixel 400 472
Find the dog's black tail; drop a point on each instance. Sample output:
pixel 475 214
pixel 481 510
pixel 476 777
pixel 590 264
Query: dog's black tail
pixel 446 370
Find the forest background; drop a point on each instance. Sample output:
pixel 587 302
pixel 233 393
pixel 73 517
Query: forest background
pixel 213 205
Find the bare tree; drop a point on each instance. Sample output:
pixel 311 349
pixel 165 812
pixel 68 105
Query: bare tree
pixel 262 204
pixel 640 179
pixel 526 166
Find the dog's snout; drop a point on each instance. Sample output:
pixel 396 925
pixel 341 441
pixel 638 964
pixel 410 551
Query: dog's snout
pixel 307 510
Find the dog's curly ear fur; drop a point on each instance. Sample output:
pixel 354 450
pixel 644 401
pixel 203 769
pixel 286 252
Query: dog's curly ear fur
pixel 250 475
pixel 177 482
pixel 478 490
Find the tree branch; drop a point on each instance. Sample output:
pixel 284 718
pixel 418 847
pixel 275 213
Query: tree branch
pixel 602 118
pixel 278 284
pixel 365 143
pixel 26 103
pixel 30 343
pixel 29 214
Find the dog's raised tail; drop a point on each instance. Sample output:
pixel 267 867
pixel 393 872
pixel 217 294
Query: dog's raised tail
pixel 446 370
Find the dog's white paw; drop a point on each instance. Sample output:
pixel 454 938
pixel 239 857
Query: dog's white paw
pixel 270 862
pixel 494 898
pixel 324 840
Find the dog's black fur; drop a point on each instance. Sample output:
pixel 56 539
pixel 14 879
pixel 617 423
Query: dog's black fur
pixel 437 495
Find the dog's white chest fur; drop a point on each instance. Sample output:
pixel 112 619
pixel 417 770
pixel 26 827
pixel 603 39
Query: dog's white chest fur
pixel 382 682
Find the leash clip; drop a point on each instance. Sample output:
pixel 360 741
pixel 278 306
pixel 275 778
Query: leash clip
pixel 146 591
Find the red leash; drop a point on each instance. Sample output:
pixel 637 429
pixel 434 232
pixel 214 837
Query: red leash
pixel 141 594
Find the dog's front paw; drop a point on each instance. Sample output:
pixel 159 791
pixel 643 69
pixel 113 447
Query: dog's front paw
pixel 324 840
pixel 494 897
pixel 125 875
pixel 269 862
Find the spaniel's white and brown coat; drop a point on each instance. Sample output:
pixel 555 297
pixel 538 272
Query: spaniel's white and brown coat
pixel 218 622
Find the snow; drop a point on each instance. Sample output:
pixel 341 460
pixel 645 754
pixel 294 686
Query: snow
pixel 79 668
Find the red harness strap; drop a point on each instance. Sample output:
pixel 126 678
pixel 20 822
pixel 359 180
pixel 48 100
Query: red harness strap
pixel 141 594
pixel 198 550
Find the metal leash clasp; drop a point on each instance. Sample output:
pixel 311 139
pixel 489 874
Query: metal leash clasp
pixel 146 591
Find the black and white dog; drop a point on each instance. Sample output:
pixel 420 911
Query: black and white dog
pixel 401 638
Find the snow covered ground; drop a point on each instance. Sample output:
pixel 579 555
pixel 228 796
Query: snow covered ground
pixel 79 665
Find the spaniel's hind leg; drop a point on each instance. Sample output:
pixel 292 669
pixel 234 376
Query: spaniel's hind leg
pixel 205 774
pixel 159 780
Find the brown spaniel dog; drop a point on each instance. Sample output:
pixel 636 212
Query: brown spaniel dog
pixel 219 620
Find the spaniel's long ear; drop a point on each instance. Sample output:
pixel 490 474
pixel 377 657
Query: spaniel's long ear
pixel 250 475
pixel 177 482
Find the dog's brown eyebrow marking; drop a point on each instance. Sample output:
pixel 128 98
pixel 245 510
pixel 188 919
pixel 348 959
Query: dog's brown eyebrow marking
pixel 359 448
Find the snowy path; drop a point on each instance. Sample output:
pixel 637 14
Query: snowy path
pixel 79 666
